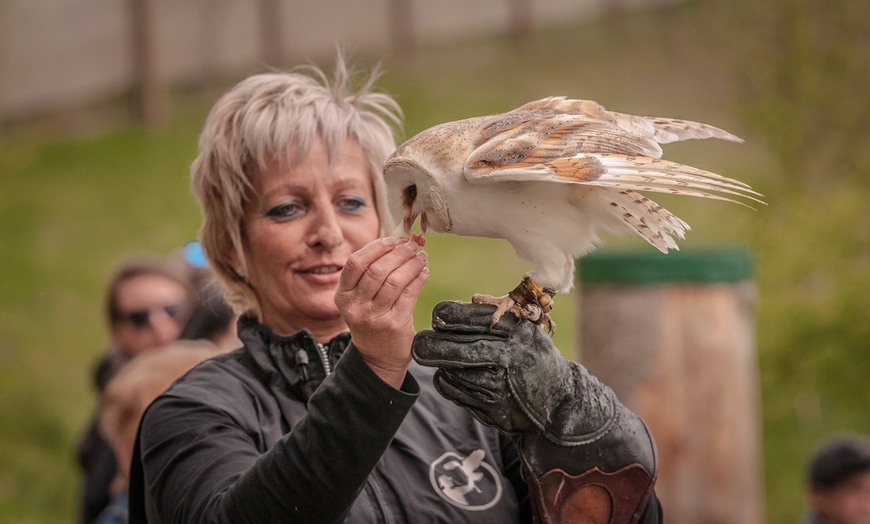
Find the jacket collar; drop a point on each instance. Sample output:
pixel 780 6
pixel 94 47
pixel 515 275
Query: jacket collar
pixel 290 362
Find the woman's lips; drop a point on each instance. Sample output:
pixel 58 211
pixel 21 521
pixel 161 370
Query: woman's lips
pixel 323 270
pixel 327 274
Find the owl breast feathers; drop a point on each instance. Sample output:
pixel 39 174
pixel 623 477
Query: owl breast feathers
pixel 547 177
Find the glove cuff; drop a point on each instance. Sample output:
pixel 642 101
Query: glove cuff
pixel 594 497
pixel 595 457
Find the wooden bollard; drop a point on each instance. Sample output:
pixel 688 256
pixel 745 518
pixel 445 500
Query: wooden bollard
pixel 674 336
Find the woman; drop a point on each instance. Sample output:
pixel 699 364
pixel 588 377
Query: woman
pixel 321 416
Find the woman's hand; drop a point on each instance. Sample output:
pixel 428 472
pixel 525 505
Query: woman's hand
pixel 379 287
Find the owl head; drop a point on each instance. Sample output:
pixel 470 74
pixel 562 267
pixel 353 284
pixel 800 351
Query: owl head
pixel 413 191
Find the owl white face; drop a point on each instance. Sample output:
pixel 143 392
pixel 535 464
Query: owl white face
pixel 412 192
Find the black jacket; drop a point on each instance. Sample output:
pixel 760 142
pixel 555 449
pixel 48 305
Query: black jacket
pixel 264 434
pixel 287 430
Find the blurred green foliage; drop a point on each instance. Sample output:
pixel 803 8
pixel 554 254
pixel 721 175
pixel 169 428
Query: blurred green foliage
pixel 790 77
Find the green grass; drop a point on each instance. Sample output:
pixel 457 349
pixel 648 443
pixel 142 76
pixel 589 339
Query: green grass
pixel 69 209
pixel 790 78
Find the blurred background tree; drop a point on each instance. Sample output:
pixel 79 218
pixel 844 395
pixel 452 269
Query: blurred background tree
pixel 804 75
pixel 790 77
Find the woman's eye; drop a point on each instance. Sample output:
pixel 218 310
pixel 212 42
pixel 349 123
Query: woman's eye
pixel 352 204
pixel 284 211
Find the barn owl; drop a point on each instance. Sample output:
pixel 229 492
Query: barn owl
pixel 547 177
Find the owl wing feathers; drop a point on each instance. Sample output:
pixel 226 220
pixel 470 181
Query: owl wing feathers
pixel 544 136
pixel 664 176
pixel 578 142
pixel 622 172
pixel 648 219
pixel 669 130
pixel 663 130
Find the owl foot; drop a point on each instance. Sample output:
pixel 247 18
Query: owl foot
pixel 527 301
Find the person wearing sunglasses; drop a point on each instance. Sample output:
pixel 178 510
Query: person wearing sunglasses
pixel 147 307
pixel 322 416
pixel 147 304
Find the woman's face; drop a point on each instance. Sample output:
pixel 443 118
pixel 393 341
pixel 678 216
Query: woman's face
pixel 301 226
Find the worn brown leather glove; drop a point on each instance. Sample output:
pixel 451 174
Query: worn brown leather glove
pixel 585 455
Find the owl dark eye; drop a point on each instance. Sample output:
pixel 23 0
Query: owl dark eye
pixel 409 195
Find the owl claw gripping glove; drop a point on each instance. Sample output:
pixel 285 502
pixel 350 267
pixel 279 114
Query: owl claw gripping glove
pixel 584 455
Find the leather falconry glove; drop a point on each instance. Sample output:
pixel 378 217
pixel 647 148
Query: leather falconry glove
pixel 586 457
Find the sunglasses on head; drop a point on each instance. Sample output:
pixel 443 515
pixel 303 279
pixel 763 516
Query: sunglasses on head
pixel 140 318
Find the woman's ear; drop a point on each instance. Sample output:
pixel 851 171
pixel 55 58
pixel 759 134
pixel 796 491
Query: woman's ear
pixel 234 260
pixel 231 258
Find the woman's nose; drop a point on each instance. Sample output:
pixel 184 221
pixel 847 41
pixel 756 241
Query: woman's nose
pixel 325 229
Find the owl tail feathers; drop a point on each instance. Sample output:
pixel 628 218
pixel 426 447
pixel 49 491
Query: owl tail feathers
pixel 624 175
pixel 652 222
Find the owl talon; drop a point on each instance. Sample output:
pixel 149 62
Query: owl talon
pixel 548 324
pixel 527 301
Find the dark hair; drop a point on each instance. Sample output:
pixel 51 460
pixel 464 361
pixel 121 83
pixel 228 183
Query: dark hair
pixel 134 267
pixel 837 459
pixel 211 317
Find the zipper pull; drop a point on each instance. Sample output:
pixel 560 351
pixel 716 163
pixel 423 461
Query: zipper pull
pixel 302 362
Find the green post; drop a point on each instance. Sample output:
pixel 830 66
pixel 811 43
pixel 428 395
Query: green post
pixel 674 336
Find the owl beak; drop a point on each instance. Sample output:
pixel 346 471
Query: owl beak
pixel 409 220
pixel 408 223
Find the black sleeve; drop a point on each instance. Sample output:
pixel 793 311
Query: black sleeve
pixel 513 472
pixel 199 465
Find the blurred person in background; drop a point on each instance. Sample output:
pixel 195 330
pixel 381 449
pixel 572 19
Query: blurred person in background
pixel 148 302
pixel 839 481
pixel 147 305
pixel 151 301
pixel 322 416
pixel 125 398
pixel 213 318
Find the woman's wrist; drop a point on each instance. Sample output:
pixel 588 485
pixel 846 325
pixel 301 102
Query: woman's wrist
pixel 391 371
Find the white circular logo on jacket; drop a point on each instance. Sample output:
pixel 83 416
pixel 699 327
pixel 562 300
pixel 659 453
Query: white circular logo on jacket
pixel 466 482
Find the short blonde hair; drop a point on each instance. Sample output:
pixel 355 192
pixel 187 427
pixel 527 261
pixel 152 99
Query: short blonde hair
pixel 272 115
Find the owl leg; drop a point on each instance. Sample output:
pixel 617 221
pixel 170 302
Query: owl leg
pixel 527 301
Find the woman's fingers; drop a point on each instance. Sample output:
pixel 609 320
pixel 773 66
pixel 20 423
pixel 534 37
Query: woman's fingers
pixel 398 283
pixel 408 297
pixel 382 268
pixel 377 276
pixel 377 298
pixel 359 262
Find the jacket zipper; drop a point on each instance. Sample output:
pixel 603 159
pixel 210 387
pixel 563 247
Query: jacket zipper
pixel 321 350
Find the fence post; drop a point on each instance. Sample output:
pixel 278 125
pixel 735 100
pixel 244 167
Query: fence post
pixel 674 336
pixel 520 21
pixel 403 34
pixel 271 31
pixel 152 87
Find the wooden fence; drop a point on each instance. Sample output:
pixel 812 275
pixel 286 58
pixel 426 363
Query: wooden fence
pixel 59 55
